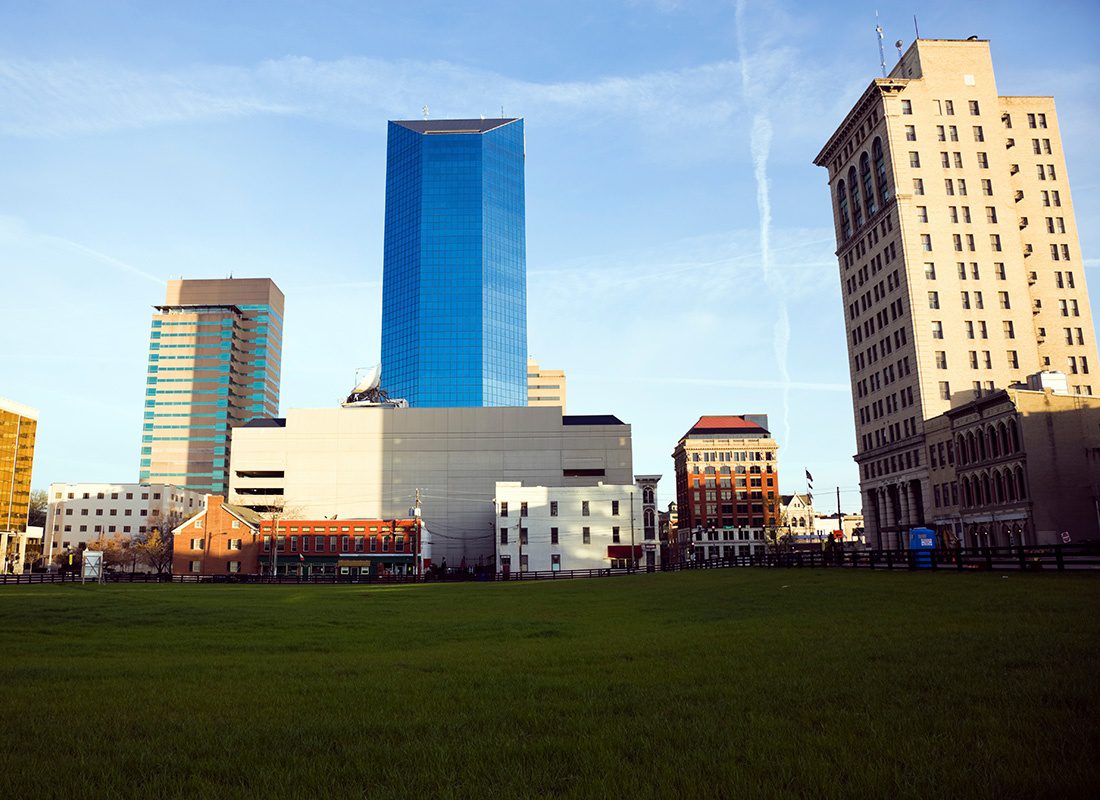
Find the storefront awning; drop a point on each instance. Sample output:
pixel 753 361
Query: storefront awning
pixel 623 551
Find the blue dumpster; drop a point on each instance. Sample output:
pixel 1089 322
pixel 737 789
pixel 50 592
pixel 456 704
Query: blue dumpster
pixel 922 541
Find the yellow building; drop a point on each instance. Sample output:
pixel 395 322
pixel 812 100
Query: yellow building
pixel 960 264
pixel 18 426
pixel 545 387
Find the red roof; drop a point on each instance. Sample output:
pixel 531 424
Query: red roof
pixel 721 424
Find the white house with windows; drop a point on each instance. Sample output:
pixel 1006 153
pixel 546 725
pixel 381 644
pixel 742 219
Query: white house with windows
pixel 562 528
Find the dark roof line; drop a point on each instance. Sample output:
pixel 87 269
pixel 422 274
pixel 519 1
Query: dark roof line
pixel 453 125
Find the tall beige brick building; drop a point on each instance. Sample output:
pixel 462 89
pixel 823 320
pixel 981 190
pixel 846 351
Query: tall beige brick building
pixel 215 350
pixel 959 260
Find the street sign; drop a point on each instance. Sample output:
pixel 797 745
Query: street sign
pixel 92 566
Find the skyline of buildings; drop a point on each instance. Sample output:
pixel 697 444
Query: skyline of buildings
pixel 454 237
pixel 215 350
pixel 959 260
pixel 454 273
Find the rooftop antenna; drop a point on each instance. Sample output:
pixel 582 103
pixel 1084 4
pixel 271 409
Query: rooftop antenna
pixel 916 29
pixel 425 109
pixel 502 112
pixel 898 44
pixel 881 52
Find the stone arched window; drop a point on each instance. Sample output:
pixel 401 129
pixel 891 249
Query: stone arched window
pixel 994 442
pixel 971 448
pixel 650 520
pixel 968 492
pixel 647 495
pixel 868 186
pixel 960 450
pixel 981 444
pixel 986 494
pixel 1013 436
pixel 998 487
pixel 1021 485
pixel 842 203
pixel 880 171
pixel 853 195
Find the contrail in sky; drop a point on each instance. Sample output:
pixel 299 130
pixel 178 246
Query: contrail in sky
pixel 760 143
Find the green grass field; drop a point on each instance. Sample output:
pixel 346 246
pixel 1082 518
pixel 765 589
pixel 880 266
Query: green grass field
pixel 724 683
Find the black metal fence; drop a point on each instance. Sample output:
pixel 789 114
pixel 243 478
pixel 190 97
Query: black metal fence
pixel 1033 558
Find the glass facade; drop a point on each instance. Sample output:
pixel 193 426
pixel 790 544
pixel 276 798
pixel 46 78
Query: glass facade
pixel 214 359
pixel 454 288
pixel 18 427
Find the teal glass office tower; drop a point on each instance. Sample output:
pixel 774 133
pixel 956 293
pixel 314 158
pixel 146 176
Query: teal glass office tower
pixel 454 275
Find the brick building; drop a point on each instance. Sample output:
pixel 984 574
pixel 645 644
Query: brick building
pixel 727 483
pixel 219 540
pixel 342 547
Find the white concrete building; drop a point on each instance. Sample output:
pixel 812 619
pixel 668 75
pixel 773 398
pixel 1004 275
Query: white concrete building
pixel 559 528
pixel 79 513
pixel 367 463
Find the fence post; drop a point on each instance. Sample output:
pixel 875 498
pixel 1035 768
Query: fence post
pixel 960 555
pixel 1023 563
pixel 890 559
pixel 989 558
pixel 1060 557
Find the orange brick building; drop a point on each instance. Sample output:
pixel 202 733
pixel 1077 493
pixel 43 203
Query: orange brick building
pixel 341 547
pixel 727 483
pixel 225 539
pixel 219 540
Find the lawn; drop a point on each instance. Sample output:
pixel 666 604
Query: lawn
pixel 723 683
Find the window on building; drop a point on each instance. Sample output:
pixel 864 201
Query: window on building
pixel 586 535
pixel 614 508
pixel 504 508
pixel 553 536
pixel 584 509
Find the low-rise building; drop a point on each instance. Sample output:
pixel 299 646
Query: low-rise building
pixel 221 539
pixel 556 528
pixel 796 514
pixel 226 539
pixel 1017 466
pixel 367 462
pixel 79 513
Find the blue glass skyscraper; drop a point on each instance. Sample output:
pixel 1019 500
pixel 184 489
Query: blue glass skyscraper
pixel 454 275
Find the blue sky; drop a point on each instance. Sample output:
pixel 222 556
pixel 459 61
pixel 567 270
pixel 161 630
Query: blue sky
pixel 142 141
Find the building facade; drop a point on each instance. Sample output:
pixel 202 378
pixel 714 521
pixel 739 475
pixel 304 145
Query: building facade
pixel 18 428
pixel 545 387
pixel 368 462
pixel 220 539
pixel 79 513
pixel 727 485
pixel 796 514
pixel 214 357
pixel 959 260
pixel 454 282
pixel 1016 467
pixel 555 528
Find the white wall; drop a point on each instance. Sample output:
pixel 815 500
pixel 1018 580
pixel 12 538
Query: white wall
pixel 570 522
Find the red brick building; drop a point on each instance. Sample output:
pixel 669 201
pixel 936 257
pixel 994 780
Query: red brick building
pixel 219 540
pixel 341 547
pixel 727 484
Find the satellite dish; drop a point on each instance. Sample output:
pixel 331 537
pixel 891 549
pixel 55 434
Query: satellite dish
pixel 370 380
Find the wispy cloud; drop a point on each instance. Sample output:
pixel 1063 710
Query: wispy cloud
pixel 15 229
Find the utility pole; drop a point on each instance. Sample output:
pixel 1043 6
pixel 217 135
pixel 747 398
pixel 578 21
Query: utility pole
pixel 419 535
pixel 839 515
